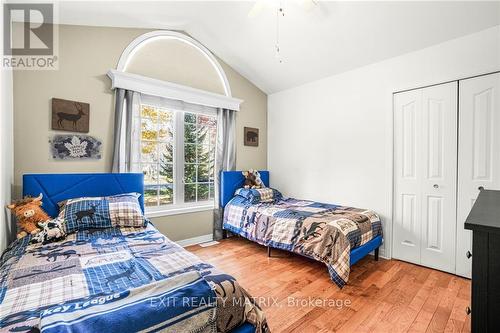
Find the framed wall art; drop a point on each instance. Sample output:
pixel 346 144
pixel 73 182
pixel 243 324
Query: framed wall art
pixel 75 147
pixel 70 115
pixel 251 136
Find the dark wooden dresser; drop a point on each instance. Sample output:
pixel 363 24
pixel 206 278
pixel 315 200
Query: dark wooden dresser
pixel 484 221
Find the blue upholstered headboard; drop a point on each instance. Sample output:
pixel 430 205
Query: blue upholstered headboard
pixel 59 187
pixel 230 181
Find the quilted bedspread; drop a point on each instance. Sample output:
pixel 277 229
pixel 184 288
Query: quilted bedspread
pixel 324 232
pixel 118 280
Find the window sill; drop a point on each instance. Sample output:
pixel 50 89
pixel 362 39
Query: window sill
pixel 178 211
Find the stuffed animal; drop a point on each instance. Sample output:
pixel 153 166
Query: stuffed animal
pixel 52 231
pixel 258 180
pixel 249 179
pixel 28 212
pixel 252 179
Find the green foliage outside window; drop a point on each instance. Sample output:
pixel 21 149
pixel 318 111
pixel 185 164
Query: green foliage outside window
pixel 199 155
pixel 157 156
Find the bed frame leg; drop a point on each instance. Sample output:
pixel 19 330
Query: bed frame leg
pixel 376 253
pixel 269 251
pixel 224 234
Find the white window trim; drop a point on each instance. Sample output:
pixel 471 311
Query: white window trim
pixel 165 89
pixel 178 157
pixel 179 209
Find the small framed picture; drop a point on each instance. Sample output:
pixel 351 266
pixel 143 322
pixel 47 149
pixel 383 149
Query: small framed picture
pixel 70 115
pixel 251 136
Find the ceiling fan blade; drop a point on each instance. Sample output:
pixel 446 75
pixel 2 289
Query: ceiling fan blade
pixel 257 8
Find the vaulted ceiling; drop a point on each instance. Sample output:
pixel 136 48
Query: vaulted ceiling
pixel 330 38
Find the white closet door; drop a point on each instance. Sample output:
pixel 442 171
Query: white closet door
pixel 407 175
pixel 479 153
pixel 425 159
pixel 439 176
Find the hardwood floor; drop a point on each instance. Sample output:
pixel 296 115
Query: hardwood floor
pixel 383 296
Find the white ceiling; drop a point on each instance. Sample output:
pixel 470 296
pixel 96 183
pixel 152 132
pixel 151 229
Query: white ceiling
pixel 331 38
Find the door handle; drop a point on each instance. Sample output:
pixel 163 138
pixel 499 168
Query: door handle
pixel 480 188
pixel 468 254
pixel 436 186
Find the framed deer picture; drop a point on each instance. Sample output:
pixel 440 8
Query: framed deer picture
pixel 70 115
pixel 251 136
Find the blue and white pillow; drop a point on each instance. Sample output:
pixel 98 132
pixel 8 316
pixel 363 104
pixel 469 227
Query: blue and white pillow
pixel 256 195
pixel 121 210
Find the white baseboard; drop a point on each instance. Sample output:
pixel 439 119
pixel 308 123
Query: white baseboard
pixel 381 253
pixel 195 240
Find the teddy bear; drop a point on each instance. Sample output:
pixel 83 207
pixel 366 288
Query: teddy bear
pixel 28 213
pixel 252 179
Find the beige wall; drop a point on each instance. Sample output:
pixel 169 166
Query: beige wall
pixel 160 59
pixel 85 55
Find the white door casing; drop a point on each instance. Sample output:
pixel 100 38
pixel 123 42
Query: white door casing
pixel 478 153
pixel 425 158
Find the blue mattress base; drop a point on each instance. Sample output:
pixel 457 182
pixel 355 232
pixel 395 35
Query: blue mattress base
pixel 360 252
pixel 244 328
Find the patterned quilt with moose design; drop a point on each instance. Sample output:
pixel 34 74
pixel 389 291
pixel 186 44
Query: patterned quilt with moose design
pixel 128 278
pixel 323 232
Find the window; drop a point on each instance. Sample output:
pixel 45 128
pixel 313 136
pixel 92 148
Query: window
pixel 177 157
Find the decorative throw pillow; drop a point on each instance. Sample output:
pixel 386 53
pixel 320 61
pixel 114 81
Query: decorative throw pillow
pixel 122 210
pixel 256 195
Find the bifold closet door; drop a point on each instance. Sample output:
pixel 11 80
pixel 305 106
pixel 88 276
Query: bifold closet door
pixel 439 183
pixel 425 173
pixel 407 175
pixel 478 153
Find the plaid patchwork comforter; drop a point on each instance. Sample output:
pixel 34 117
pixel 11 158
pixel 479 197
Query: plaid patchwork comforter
pixel 324 232
pixel 135 278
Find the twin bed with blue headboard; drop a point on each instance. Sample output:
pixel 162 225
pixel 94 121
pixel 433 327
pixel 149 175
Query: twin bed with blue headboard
pixel 112 279
pixel 337 235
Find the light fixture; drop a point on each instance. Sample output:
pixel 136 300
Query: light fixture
pixel 305 5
